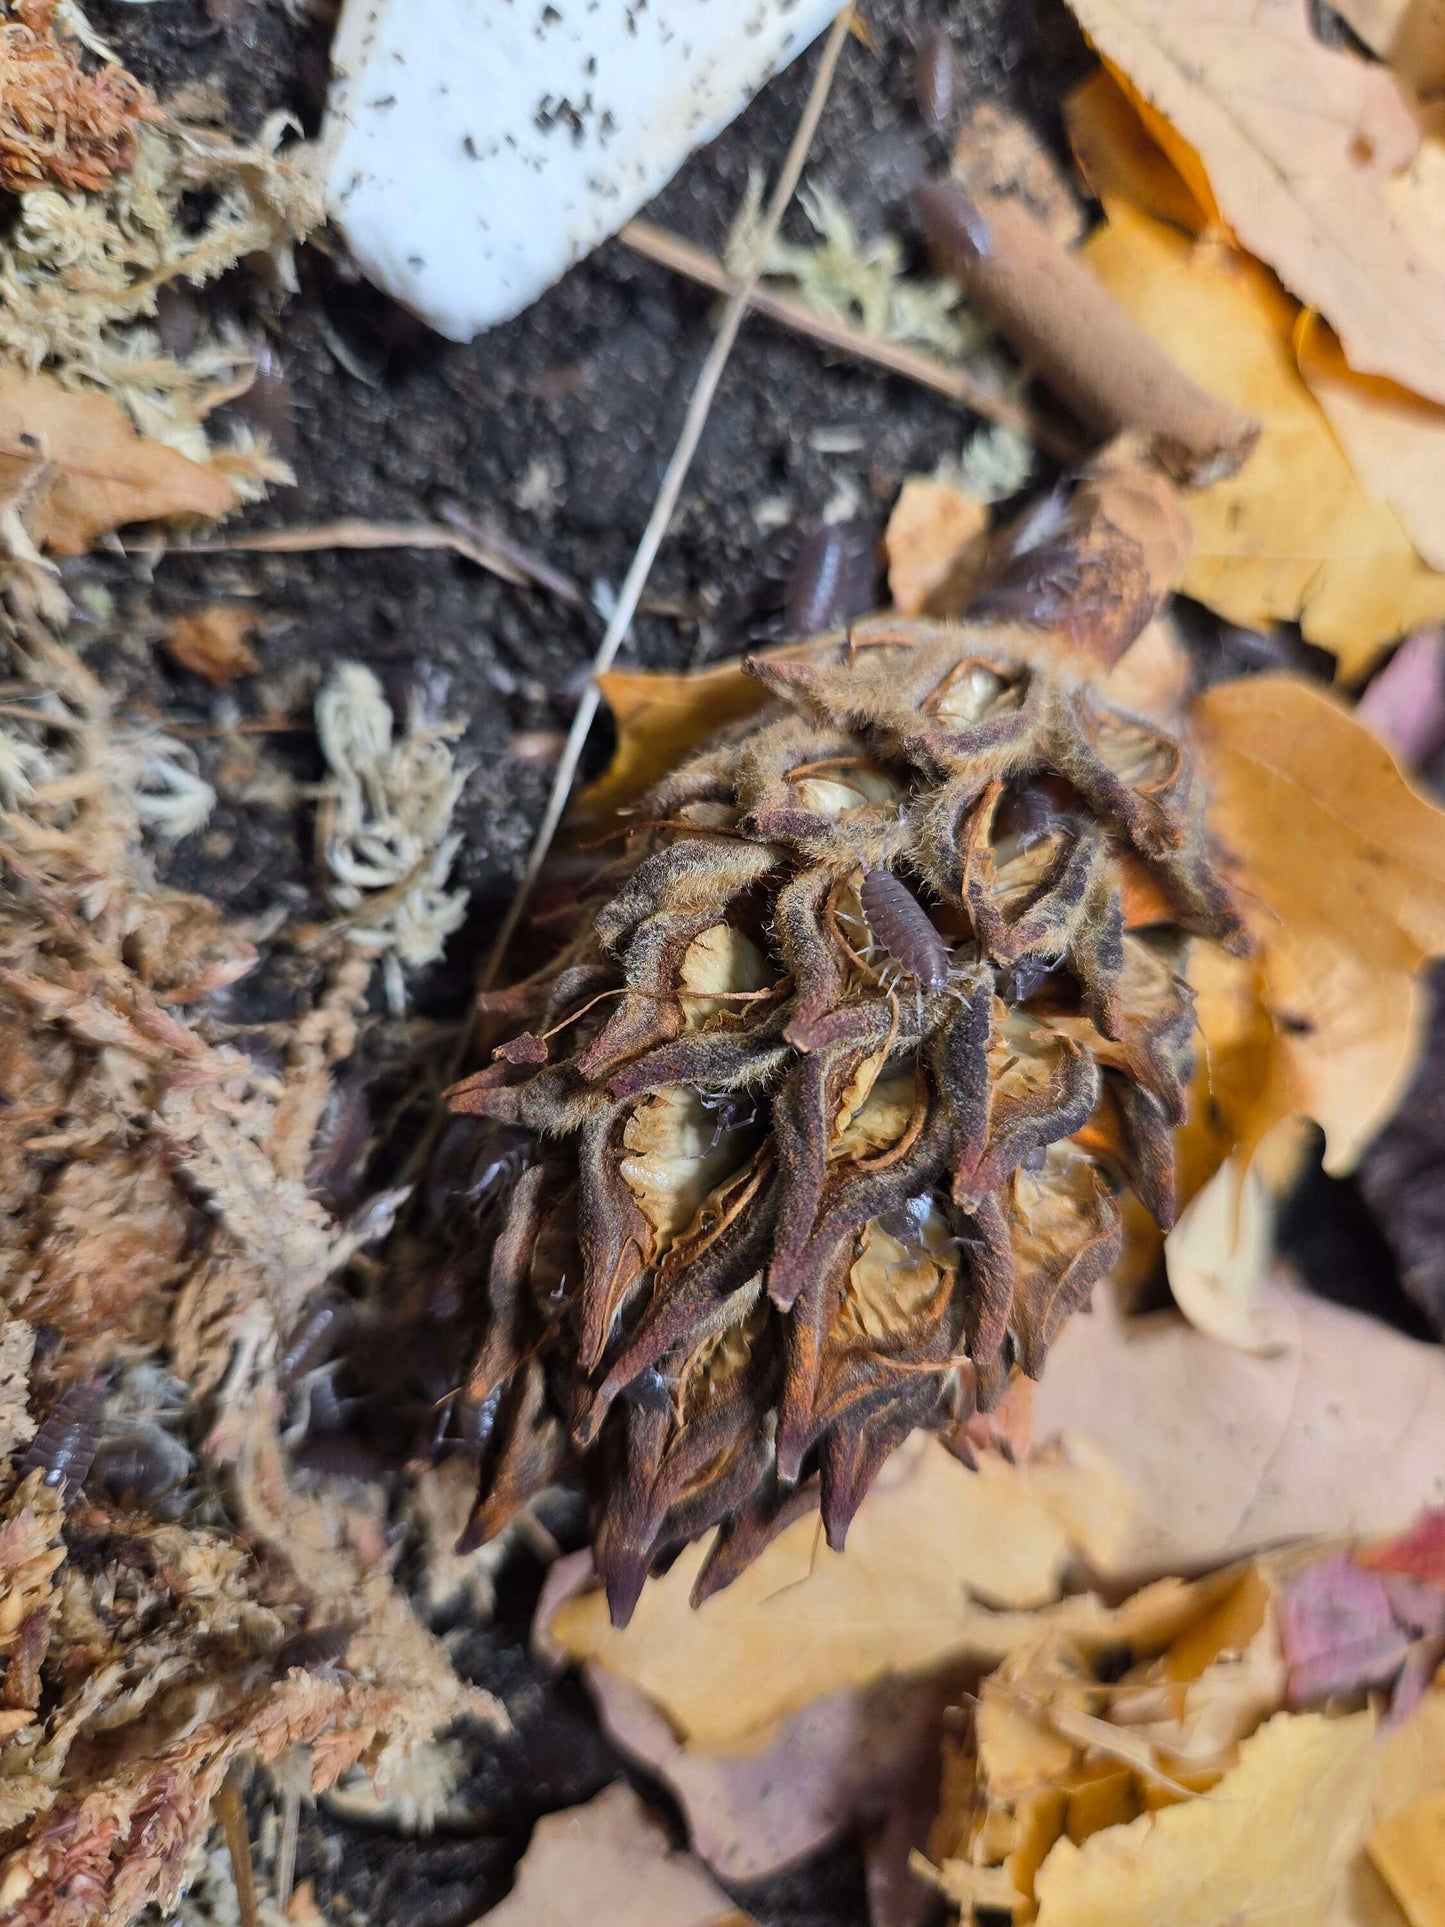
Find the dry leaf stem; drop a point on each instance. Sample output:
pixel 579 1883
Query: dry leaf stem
pixel 355 534
pixel 671 251
pixel 231 1809
pixel 1075 336
pixel 666 503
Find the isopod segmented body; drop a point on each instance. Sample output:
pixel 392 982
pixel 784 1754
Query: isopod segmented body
pixel 68 1437
pixel 323 1326
pixel 142 1463
pixel 904 928
pixel 834 576
pixel 319 1649
pixel 933 77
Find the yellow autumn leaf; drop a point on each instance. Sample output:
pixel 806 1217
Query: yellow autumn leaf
pixel 1292 534
pixel 1409 1851
pixel 96 472
pixel 933 1551
pixel 1339 866
pixel 1308 150
pixel 661 717
pixel 1120 158
pixel 1270 1842
pixel 1395 441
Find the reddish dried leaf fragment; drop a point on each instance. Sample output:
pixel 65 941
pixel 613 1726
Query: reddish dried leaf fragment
pixel 59 125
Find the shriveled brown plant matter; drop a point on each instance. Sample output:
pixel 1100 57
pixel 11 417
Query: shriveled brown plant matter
pixel 174 1594
pixel 59 125
pixel 779 1194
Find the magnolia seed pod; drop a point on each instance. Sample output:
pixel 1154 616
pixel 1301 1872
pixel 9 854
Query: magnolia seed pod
pixel 835 1092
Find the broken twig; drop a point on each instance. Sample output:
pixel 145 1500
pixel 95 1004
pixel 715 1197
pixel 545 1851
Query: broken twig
pixel 671 251
pixel 231 1810
pixel 1069 330
pixel 352 534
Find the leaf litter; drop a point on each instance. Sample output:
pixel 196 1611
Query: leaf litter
pixel 1271 1714
pixel 155 1213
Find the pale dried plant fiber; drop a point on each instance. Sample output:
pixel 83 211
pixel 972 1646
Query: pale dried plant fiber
pixel 385 843
pixel 80 275
pixel 854 280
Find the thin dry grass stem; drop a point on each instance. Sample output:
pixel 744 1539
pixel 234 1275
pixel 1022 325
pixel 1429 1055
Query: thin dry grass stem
pixel 352 533
pixel 545 574
pixel 286 1851
pixel 231 1810
pixel 666 503
pixel 696 264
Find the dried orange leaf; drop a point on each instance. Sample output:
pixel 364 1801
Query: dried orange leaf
pixel 661 717
pixel 1339 865
pixel 215 642
pixel 104 474
pixel 1306 148
pixel 613 1852
pixel 1266 546
pixel 937 541
pixel 1120 157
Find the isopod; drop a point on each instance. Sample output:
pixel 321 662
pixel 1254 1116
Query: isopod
pixel 903 927
pixel 338 1149
pixel 319 1649
pixel 142 1463
pixel 67 1439
pixel 834 576
pixel 933 78
pixel 475 1168
pixel 268 404
pixel 1034 811
pixel 314 1337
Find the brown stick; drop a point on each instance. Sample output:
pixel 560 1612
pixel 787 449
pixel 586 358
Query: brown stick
pixel 232 1811
pixel 351 533
pixel 671 251
pixel 1072 332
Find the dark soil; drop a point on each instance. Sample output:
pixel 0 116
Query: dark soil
pixel 558 427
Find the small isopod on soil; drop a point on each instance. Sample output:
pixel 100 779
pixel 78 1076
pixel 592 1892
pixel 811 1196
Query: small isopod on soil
pixel 933 77
pixel 68 1437
pixel 903 927
pixel 834 576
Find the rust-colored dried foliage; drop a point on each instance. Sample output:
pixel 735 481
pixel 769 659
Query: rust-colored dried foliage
pixel 61 126
pixel 154 1230
pixel 781 1205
